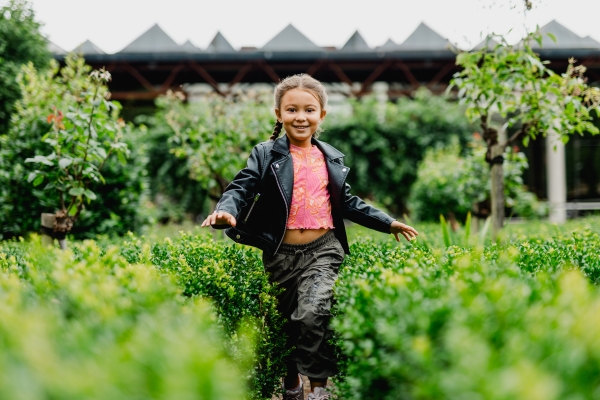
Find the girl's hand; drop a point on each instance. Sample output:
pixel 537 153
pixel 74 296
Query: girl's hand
pixel 408 232
pixel 219 218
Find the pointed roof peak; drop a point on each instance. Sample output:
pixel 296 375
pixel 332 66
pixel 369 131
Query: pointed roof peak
pixel 290 39
pixel 220 45
pixel 565 39
pixel 356 43
pixel 424 38
pixel 189 47
pixel 154 40
pixel 88 47
pixel 54 48
pixel 389 45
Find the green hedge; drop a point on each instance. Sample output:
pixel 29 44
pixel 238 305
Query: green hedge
pixel 517 320
pixel 233 278
pixel 89 325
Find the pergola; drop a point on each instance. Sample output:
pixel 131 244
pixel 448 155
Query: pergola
pixel 154 63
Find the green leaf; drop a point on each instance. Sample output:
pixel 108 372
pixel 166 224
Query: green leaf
pixel 39 159
pixel 89 194
pixel 65 162
pixel 76 191
pixel 38 180
pixel 551 36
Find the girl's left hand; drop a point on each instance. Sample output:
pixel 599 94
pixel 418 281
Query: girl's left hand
pixel 408 232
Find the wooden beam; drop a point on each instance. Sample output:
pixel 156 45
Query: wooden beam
pixel 270 71
pixel 167 83
pixel 374 75
pixel 314 68
pixel 139 77
pixel 441 73
pixel 339 72
pixel 206 76
pixel 408 73
pixel 241 74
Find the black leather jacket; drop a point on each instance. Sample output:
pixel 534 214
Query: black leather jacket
pixel 261 194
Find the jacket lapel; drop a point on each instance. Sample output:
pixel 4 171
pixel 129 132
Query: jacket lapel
pixel 283 168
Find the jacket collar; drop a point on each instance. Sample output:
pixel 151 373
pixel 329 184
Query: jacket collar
pixel 282 146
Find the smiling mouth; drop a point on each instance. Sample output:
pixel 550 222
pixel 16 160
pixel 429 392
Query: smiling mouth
pixel 300 127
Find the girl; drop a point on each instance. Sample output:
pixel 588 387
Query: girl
pixel 290 201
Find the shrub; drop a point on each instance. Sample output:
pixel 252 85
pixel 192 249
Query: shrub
pixel 508 321
pixel 116 207
pixel 451 183
pixel 384 143
pixel 90 325
pixel 233 278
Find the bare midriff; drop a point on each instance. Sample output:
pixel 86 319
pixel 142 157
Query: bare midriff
pixel 302 236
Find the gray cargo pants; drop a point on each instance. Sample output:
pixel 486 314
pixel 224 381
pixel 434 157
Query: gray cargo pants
pixel 307 272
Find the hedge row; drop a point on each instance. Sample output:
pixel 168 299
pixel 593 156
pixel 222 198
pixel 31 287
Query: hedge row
pixel 506 321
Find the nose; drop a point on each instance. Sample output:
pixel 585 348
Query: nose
pixel 300 116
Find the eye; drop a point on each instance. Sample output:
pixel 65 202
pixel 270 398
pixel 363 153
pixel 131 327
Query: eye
pixel 310 110
pixel 291 109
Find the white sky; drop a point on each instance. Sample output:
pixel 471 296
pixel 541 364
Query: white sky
pixel 112 24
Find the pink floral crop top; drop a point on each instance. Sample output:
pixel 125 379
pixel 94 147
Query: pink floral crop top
pixel 311 207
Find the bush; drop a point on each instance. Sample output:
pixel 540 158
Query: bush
pixel 508 321
pixel 384 143
pixel 90 325
pixel 449 183
pixel 20 43
pixel 233 278
pixel 116 209
pixel 198 147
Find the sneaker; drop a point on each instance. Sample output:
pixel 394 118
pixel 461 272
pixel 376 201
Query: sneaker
pixel 294 394
pixel 319 394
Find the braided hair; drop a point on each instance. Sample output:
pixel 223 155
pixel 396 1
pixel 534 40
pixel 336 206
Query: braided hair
pixel 303 82
pixel 276 130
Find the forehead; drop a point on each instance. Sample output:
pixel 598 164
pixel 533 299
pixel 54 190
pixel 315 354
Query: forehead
pixel 299 96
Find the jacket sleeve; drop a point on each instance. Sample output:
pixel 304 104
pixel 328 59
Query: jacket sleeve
pixel 243 186
pixel 357 211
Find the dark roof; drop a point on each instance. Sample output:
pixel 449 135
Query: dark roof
pixel 290 39
pixel 389 45
pixel 565 39
pixel 154 40
pixel 220 45
pixel 424 38
pixel 55 49
pixel 487 42
pixel 189 47
pixel 356 43
pixel 88 47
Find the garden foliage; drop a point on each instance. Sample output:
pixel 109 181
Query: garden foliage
pixel 517 320
pixel 52 126
pixel 89 325
pixel 449 183
pixel 384 142
pixel 20 43
pixel 234 279
pixel 198 147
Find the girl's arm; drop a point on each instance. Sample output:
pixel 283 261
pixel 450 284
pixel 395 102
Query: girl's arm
pixel 357 211
pixel 238 192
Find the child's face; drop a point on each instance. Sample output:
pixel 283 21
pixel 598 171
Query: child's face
pixel 301 114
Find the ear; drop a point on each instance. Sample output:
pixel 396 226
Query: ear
pixel 323 114
pixel 278 114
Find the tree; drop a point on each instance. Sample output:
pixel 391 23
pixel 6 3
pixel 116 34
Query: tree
pixel 215 135
pixel 20 43
pixel 384 142
pixel 59 155
pixel 512 83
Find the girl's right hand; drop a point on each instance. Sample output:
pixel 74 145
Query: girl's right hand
pixel 219 218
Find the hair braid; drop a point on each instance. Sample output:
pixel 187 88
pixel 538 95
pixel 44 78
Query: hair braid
pixel 276 130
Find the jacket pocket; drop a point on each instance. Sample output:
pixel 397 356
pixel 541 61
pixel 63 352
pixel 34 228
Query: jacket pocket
pixel 252 207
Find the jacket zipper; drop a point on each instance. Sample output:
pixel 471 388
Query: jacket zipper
pixel 286 209
pixel 252 207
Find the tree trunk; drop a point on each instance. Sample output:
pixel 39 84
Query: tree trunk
pixel 497 195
